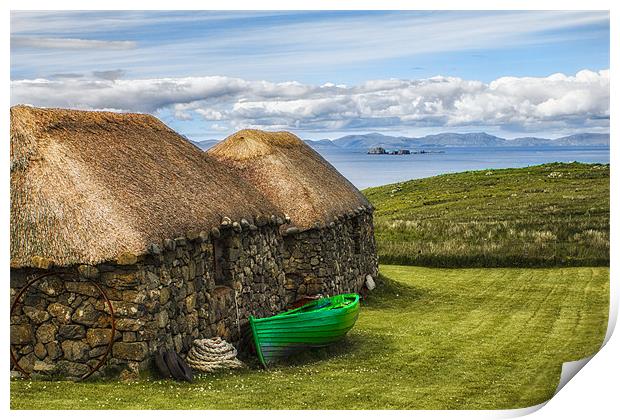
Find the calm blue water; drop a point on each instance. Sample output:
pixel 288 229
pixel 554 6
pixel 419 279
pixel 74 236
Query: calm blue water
pixel 365 170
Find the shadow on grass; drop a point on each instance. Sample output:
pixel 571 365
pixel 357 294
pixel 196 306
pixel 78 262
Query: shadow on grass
pixel 348 346
pixel 361 347
pixel 391 293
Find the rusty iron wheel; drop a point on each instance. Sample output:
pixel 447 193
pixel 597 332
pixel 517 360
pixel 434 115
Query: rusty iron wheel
pixel 108 303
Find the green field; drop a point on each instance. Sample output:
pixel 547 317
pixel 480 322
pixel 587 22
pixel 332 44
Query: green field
pixel 429 338
pixel 541 216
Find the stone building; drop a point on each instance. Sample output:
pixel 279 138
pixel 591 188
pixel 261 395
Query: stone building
pixel 117 218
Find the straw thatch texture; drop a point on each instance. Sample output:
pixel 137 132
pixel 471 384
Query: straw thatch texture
pixel 291 174
pixel 87 187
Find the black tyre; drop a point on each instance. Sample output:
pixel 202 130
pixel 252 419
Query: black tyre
pixel 188 373
pixel 173 364
pixel 160 363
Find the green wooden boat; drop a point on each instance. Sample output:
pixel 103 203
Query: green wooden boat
pixel 315 324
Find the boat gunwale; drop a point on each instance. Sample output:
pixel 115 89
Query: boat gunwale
pixel 292 314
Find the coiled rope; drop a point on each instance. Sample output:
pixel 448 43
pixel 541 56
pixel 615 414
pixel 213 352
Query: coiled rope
pixel 212 354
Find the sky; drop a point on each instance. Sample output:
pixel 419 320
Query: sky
pixel 322 74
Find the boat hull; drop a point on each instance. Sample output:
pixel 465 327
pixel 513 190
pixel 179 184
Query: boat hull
pixel 282 335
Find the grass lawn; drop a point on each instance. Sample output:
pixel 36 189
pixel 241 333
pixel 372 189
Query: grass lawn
pixel 555 214
pixel 429 338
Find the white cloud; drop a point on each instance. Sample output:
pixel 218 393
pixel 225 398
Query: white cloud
pixel 68 43
pixel 521 103
pixel 210 114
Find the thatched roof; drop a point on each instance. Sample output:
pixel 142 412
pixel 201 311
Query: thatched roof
pixel 87 187
pixel 291 174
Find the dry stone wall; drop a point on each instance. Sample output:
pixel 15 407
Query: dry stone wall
pixel 195 286
pixel 331 260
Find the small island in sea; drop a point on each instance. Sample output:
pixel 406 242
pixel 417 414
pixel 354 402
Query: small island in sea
pixel 383 151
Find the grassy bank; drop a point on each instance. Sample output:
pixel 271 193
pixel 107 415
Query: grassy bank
pixel 429 339
pixel 549 215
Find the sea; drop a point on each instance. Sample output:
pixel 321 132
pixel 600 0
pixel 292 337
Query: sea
pixel 365 170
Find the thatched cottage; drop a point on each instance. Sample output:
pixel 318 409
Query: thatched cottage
pixel 119 223
pixel 329 245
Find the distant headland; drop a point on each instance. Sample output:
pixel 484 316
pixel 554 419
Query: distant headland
pixel 383 151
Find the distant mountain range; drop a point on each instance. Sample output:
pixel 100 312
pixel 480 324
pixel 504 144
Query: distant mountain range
pixel 366 141
pixel 204 144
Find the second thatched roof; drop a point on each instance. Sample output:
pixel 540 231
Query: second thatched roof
pixel 87 187
pixel 291 175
